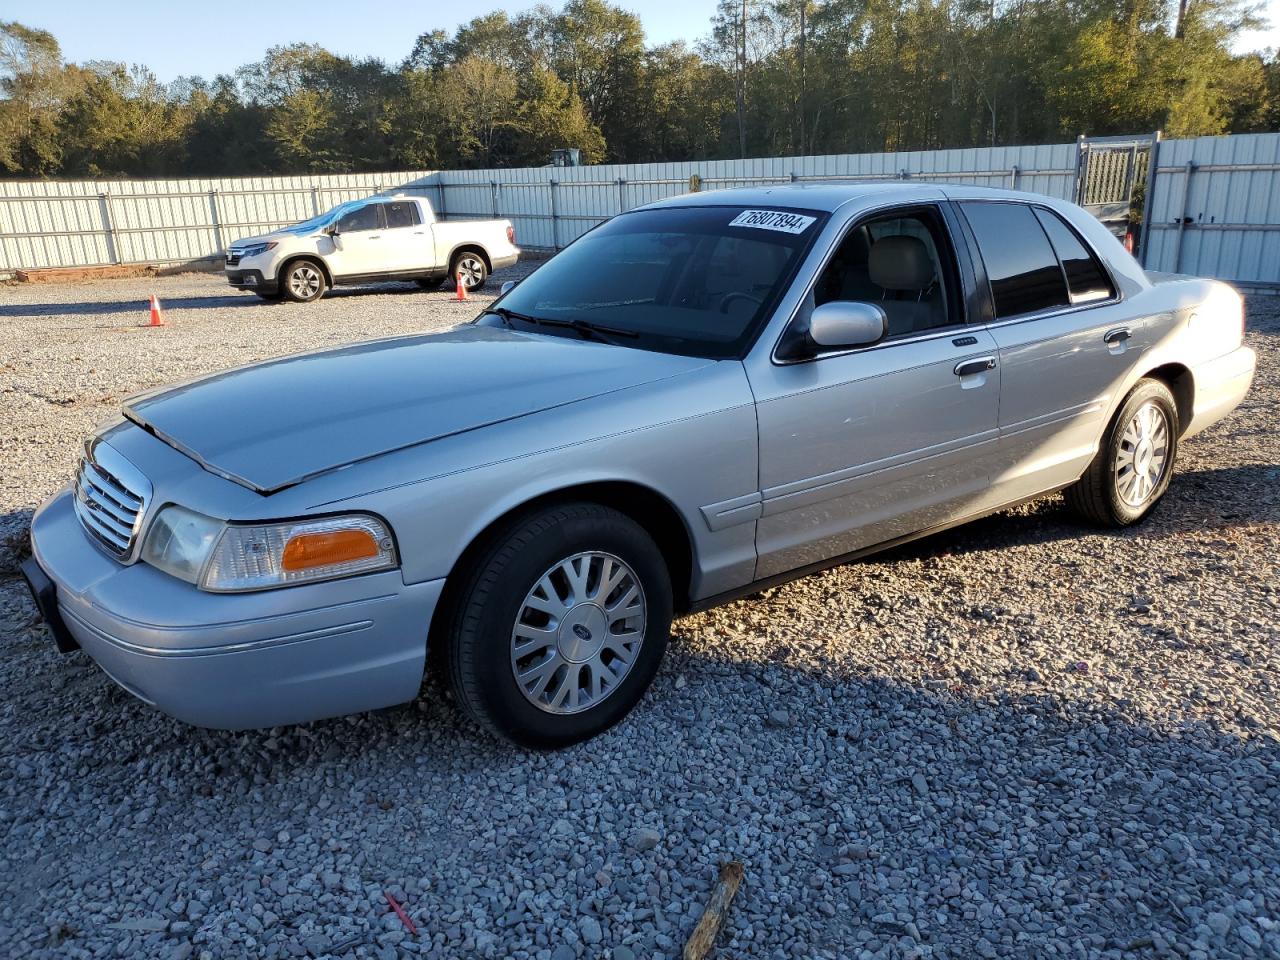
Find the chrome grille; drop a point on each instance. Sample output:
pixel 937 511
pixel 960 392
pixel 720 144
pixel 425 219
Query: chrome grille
pixel 111 496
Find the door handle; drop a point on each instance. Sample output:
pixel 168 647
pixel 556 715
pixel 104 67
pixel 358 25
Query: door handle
pixel 967 368
pixel 1117 336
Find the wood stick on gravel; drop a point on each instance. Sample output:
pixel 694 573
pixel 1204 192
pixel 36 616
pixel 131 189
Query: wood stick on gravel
pixel 704 934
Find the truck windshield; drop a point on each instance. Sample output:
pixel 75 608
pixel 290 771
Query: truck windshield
pixel 322 221
pixel 690 280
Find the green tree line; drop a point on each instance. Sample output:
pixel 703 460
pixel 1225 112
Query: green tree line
pixel 771 77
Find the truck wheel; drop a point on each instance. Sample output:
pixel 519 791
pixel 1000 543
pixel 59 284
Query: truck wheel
pixel 471 266
pixel 302 281
pixel 560 625
pixel 1134 464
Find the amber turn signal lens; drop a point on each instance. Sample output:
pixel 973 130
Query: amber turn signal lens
pixel 309 550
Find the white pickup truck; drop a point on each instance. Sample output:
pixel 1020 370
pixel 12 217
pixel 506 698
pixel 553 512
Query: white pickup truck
pixel 378 238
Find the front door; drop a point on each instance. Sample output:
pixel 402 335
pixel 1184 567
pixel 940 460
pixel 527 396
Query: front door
pixel 1066 344
pixel 358 247
pixel 865 446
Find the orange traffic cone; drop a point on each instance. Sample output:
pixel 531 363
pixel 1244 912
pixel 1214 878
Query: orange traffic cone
pixel 157 318
pixel 460 287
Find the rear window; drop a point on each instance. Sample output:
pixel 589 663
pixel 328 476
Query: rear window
pixel 1086 280
pixel 401 213
pixel 1023 270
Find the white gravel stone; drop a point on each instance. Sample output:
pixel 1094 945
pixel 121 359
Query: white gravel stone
pixel 949 782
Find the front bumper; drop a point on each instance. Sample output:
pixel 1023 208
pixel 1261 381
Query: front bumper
pixel 236 661
pixel 252 280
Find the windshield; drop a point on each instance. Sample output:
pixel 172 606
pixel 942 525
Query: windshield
pixel 690 280
pixel 322 221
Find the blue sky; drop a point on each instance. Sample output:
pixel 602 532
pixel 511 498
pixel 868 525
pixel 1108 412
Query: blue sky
pixel 176 38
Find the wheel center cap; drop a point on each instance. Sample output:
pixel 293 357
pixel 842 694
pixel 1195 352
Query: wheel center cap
pixel 582 633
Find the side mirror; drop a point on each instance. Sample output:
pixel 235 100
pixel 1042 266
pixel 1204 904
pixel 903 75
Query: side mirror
pixel 848 323
pixel 507 287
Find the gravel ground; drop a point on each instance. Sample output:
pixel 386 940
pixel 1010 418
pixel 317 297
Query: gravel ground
pixel 1017 739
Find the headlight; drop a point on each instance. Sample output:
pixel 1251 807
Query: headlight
pixel 179 542
pixel 257 248
pixel 230 557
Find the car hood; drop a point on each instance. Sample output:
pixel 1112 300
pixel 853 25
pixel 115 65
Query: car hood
pixel 275 424
pixel 265 238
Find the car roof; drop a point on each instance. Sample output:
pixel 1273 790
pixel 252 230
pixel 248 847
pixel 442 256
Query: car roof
pixel 830 195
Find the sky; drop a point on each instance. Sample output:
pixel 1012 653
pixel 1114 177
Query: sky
pixel 180 37
pixel 177 38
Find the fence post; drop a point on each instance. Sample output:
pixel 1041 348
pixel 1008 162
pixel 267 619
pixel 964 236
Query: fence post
pixel 440 210
pixel 109 227
pixel 217 222
pixel 555 217
pixel 1153 162
pixel 1182 216
pixel 622 195
pixel 1077 190
pixel 315 201
pixel 1013 177
pixel 494 186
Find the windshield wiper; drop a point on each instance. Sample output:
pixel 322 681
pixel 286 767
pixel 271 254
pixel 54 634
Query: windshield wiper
pixel 584 328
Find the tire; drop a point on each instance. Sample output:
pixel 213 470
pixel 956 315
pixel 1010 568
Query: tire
pixel 1135 460
pixel 302 281
pixel 504 599
pixel 471 265
pixel 432 284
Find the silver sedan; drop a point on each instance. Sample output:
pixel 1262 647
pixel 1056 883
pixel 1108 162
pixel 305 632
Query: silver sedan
pixel 697 399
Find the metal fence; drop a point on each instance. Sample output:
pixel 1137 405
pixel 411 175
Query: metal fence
pixel 1212 204
pixel 59 223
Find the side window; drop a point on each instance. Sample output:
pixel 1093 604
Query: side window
pixel 1022 267
pixel 901 263
pixel 1086 280
pixel 368 217
pixel 401 213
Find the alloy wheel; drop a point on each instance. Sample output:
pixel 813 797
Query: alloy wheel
pixel 1142 456
pixel 304 281
pixel 472 270
pixel 578 632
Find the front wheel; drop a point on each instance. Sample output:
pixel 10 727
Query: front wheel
pixel 1134 463
pixel 470 266
pixel 560 626
pixel 302 281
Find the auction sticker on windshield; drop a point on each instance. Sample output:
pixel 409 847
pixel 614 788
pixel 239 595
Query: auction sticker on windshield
pixel 772 220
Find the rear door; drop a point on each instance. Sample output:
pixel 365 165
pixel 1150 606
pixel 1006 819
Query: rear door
pixel 868 445
pixel 1066 343
pixel 406 240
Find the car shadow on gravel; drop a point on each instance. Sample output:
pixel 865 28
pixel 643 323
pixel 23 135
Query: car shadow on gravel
pixel 1197 500
pixel 92 308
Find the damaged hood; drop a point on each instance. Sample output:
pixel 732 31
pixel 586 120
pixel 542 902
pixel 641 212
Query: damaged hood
pixel 275 424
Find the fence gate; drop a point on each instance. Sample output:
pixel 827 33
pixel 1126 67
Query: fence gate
pixel 1111 180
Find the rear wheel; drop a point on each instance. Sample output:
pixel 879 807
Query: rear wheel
pixel 302 281
pixel 1134 463
pixel 560 626
pixel 472 269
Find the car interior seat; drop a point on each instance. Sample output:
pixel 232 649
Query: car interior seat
pixel 903 270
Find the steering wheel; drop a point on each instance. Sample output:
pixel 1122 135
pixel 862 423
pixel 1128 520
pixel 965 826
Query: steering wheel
pixel 728 298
